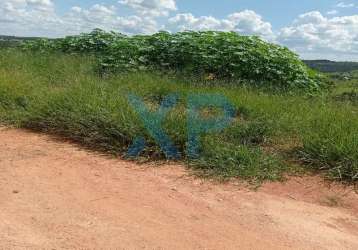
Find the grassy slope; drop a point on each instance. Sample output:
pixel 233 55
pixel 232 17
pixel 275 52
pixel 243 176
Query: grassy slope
pixel 61 94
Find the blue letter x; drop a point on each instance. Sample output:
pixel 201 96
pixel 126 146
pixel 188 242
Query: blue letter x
pixel 152 121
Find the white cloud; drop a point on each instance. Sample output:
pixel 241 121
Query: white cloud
pixel 105 17
pixel 151 7
pixel 187 21
pixel 246 22
pixel 41 4
pixel 38 18
pixel 20 5
pixel 314 35
pixel 345 5
pixel 332 12
pixel 97 14
pixel 18 15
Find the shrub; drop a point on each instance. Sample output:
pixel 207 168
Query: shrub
pixel 330 143
pixel 212 54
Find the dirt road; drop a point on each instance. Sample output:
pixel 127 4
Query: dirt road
pixel 55 195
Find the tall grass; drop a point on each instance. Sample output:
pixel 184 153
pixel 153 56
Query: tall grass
pixel 62 94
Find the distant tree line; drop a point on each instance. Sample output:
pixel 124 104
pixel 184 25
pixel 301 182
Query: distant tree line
pixel 12 41
pixel 331 66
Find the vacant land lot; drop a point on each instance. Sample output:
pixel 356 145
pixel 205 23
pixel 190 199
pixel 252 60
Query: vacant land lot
pixel 123 98
pixel 272 132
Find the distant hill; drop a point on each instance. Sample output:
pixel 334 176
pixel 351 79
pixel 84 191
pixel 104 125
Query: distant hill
pixel 16 38
pixel 11 41
pixel 331 66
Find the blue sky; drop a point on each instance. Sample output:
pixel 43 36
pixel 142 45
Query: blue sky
pixel 312 28
pixel 278 12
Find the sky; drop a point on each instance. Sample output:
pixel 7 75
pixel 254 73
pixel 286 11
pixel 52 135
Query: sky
pixel 315 29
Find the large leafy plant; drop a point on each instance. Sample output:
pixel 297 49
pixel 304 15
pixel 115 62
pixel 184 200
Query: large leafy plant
pixel 222 55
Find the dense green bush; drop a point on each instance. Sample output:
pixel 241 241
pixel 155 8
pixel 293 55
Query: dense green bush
pixel 95 42
pixel 210 54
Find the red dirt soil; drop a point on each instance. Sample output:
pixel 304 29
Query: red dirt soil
pixel 55 195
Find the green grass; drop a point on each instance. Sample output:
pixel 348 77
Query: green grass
pixel 61 94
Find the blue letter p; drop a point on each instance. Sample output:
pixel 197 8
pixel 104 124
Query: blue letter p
pixel 197 125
